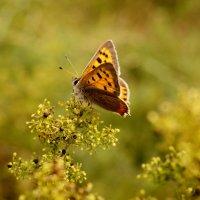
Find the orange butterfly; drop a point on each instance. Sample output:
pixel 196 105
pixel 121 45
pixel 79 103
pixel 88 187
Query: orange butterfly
pixel 101 84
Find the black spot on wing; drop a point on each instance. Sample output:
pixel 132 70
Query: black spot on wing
pixel 105 88
pixel 93 78
pixel 106 55
pixel 109 84
pixel 106 73
pixel 99 60
pixel 99 75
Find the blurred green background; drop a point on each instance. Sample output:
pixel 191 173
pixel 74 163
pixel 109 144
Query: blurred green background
pixel 158 44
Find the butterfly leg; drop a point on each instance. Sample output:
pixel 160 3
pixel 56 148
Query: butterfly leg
pixel 88 102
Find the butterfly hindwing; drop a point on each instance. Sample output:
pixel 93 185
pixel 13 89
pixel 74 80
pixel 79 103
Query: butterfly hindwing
pixel 105 54
pixel 108 101
pixel 103 77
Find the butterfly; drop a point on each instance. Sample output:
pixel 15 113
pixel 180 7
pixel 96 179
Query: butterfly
pixel 101 83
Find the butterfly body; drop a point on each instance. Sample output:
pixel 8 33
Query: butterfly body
pixel 101 83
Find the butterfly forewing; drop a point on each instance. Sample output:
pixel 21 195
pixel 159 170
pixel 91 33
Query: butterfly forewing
pixel 103 77
pixel 105 54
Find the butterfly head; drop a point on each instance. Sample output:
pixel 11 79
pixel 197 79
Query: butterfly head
pixel 75 81
pixel 77 89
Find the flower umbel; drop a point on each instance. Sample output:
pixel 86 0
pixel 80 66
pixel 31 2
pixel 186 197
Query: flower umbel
pixel 78 127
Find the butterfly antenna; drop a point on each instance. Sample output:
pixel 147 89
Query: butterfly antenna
pixel 61 68
pixel 72 66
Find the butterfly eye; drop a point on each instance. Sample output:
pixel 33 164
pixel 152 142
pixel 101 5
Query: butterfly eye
pixel 75 81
